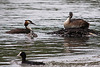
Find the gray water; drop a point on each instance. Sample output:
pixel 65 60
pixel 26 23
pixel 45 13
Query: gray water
pixel 48 15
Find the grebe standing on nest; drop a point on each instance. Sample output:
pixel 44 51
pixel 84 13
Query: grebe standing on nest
pixel 21 30
pixel 75 23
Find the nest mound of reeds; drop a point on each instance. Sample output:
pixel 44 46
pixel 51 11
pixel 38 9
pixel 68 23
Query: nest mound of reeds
pixel 74 32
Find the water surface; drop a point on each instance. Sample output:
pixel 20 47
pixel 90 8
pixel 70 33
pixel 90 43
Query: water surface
pixel 48 15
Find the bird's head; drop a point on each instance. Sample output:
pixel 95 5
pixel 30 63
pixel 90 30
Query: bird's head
pixel 70 14
pixel 22 54
pixel 28 22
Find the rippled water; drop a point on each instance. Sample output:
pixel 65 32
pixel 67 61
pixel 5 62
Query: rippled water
pixel 48 15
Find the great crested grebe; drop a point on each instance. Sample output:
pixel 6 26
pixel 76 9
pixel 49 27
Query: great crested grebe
pixel 75 23
pixel 24 61
pixel 21 30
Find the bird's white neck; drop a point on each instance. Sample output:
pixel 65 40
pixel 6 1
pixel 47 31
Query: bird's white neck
pixel 67 21
pixel 27 27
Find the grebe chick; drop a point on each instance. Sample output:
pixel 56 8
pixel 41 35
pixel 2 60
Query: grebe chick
pixel 24 61
pixel 21 30
pixel 75 23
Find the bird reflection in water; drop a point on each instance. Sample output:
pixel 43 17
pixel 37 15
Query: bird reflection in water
pixel 75 43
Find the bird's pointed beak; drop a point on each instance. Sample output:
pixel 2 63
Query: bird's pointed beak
pixel 33 23
pixel 19 54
